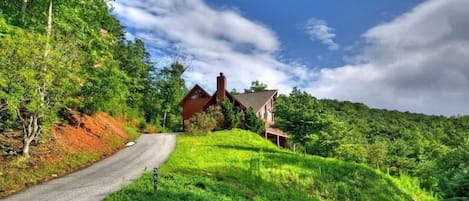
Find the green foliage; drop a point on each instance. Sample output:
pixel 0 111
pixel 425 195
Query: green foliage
pixel 132 132
pixel 453 169
pixel 423 146
pixel 251 122
pixel 231 114
pixel 300 116
pixel 39 76
pixel 162 104
pixel 106 91
pixel 135 62
pixel 376 153
pixel 86 64
pixel 256 86
pixel 214 111
pixel 201 123
pixel 351 152
pixel 240 165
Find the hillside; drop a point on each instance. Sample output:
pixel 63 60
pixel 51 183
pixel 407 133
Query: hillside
pixel 72 146
pixel 430 148
pixel 239 165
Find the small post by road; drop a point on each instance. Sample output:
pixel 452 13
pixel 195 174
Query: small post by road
pixel 155 180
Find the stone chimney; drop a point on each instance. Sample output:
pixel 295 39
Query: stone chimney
pixel 221 87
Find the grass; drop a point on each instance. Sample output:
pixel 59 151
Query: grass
pixel 239 165
pixel 134 134
pixel 49 162
pixel 21 172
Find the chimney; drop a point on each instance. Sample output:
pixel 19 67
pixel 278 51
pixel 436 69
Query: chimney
pixel 221 87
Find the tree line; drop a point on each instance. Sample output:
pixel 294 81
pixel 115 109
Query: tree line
pixel 61 56
pixel 434 149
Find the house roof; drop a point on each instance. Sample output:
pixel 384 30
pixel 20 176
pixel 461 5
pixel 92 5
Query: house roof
pixel 256 99
pixel 232 98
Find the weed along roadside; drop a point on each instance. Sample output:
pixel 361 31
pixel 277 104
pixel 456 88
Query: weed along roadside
pixel 240 165
pixel 72 147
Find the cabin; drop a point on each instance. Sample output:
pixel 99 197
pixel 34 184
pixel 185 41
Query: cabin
pixel 199 100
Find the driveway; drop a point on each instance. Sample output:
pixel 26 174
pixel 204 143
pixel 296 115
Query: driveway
pixel 106 176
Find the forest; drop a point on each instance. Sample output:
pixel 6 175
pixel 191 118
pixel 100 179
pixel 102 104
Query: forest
pixel 435 149
pixel 62 56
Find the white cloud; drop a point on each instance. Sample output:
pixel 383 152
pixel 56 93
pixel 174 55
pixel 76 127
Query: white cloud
pixel 417 62
pixel 318 30
pixel 211 41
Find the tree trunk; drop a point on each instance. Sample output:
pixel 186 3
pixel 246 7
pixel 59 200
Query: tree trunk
pixel 164 120
pixel 23 10
pixel 49 29
pixel 31 130
pixel 26 145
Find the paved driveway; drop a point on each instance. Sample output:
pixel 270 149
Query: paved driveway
pixel 104 177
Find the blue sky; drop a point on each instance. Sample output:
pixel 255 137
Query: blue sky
pixel 349 19
pixel 409 55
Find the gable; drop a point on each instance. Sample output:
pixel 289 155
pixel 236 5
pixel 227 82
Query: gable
pixel 195 93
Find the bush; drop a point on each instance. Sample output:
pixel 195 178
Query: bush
pixel 351 152
pixel 377 154
pixel 201 123
pixel 251 122
pixel 231 115
pixel 215 113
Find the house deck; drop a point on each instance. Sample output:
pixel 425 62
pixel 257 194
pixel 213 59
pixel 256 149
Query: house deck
pixel 276 136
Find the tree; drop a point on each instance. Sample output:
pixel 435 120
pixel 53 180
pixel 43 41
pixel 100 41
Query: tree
pixel 170 89
pixel 251 122
pixel 35 91
pixel 231 114
pixel 234 92
pixel 135 61
pixel 256 86
pixel 300 115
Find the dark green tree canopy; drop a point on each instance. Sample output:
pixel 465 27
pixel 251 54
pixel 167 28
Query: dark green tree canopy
pixel 256 86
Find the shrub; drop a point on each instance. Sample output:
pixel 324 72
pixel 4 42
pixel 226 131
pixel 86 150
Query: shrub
pixel 377 154
pixel 251 122
pixel 216 113
pixel 201 123
pixel 231 115
pixel 351 152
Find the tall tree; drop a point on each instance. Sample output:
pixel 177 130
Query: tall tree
pixel 231 114
pixel 300 115
pixel 256 86
pixel 135 62
pixel 170 89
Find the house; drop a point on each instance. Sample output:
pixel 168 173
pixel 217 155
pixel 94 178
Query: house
pixel 198 100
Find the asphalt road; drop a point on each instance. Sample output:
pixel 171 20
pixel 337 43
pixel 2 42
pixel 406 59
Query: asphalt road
pixel 106 176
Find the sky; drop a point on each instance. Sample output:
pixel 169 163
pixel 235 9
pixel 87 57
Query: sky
pixel 407 55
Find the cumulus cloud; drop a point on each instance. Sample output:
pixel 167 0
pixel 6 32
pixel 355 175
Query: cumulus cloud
pixel 318 30
pixel 417 62
pixel 211 41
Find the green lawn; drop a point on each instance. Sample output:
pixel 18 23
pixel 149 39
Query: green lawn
pixel 239 165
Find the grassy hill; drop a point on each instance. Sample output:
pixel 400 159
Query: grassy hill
pixel 239 165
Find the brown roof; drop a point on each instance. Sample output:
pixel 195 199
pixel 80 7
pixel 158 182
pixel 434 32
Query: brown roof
pixel 230 97
pixel 256 99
